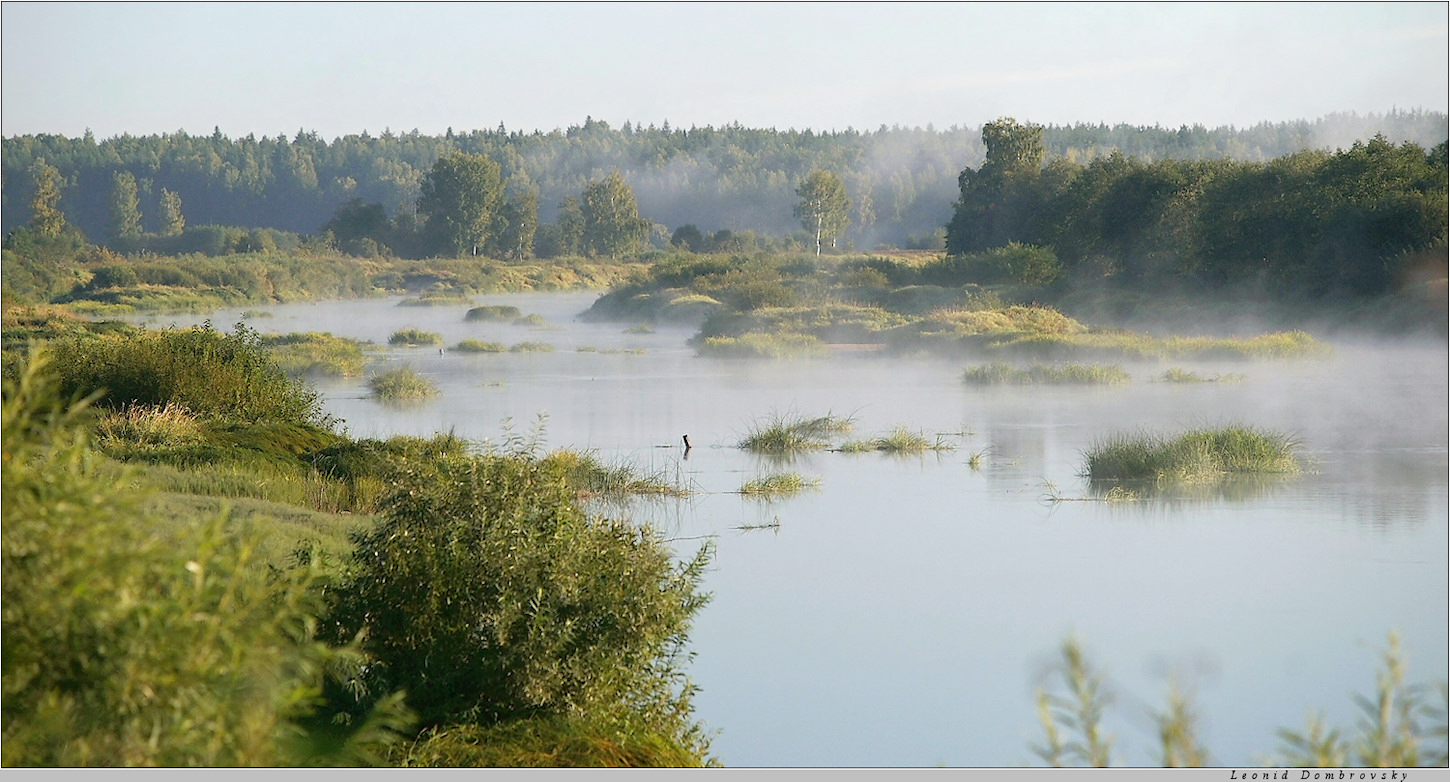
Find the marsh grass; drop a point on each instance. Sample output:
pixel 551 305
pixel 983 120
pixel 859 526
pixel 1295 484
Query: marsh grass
pixel 532 319
pixel 1195 456
pixel 313 353
pixel 479 346
pixel 1180 375
pixel 1051 374
pixel 531 347
pixel 493 312
pixel 149 425
pixel 778 485
pixel 1127 345
pixel 755 345
pixel 899 440
pixel 437 300
pixel 788 433
pixel 402 385
pixel 593 478
pixel 413 337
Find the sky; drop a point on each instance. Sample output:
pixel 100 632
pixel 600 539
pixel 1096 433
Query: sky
pixel 270 68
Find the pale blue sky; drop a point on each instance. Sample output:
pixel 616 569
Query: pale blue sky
pixel 339 68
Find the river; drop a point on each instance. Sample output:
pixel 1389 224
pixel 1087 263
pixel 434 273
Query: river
pixel 905 611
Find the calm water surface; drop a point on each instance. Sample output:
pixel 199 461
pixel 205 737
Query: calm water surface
pixel 904 613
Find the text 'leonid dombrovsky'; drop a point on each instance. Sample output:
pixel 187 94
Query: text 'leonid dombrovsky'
pixel 1394 775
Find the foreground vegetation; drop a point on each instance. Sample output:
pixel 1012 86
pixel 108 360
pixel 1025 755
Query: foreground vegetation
pixel 1401 726
pixel 145 624
pixel 1192 457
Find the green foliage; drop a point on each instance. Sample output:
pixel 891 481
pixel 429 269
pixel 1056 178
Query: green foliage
pixel 781 433
pixel 457 200
pixel 1081 712
pixel 531 347
pixel 1011 263
pixel 414 337
pixel 612 225
pixel 548 742
pixel 778 485
pixel 595 479
pixel 824 210
pixel 488 595
pixel 479 346
pixel 46 218
pixel 899 441
pixel 125 211
pixel 211 374
pixel 314 354
pixel 493 312
pixel 1059 374
pixel 125 647
pixel 1195 456
pixel 402 385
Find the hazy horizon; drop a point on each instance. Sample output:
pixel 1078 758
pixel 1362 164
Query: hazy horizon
pixel 344 68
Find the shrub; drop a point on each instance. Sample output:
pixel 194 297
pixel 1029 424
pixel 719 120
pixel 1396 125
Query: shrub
pixel 402 385
pixel 213 375
pixel 493 312
pixel 124 647
pixel 415 337
pixel 488 595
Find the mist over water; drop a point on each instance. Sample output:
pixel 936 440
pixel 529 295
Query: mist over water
pixel 903 613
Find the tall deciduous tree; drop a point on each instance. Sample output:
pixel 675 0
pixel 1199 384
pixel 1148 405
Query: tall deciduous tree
pixel 999 201
pixel 458 199
pixel 824 208
pixel 515 224
pixel 172 221
pixel 45 215
pixel 612 224
pixel 124 206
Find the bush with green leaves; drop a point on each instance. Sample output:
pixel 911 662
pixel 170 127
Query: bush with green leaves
pixel 212 374
pixel 130 643
pixel 488 595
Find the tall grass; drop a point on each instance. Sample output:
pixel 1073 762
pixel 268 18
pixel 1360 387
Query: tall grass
pixel 595 479
pixel 761 346
pixel 479 346
pixel 1056 374
pixel 402 385
pixel 313 353
pixel 788 433
pixel 1194 456
pixel 411 336
pixel 778 485
pixel 899 441
pixel 552 742
pixel 150 425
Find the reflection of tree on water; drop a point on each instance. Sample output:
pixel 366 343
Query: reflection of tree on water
pixel 1232 488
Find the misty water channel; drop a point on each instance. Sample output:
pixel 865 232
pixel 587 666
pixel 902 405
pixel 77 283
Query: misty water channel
pixel 904 612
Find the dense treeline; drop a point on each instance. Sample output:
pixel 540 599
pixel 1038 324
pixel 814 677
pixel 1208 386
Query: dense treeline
pixel 1357 222
pixel 901 181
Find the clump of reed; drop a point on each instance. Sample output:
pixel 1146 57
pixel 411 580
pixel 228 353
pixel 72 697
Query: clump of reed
pixel 778 485
pixel 531 347
pixel 411 336
pixel 1055 374
pixel 316 354
pixel 402 385
pixel 1180 375
pixel 479 346
pixel 788 433
pixel 493 312
pixel 1128 345
pixel 611 351
pixel 592 478
pixel 1195 456
pixel 756 345
pixel 149 425
pixel 532 319
pixel 899 440
pixel 436 300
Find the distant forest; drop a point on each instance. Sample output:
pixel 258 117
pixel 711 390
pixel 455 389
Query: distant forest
pixel 902 182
